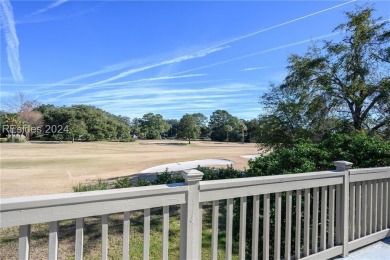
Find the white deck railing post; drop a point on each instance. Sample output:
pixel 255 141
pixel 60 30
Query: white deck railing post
pixel 191 220
pixel 344 166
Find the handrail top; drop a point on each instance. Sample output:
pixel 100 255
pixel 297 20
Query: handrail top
pixel 369 170
pixel 251 181
pixel 59 199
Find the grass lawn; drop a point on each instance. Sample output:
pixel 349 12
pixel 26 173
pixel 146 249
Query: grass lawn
pixel 38 168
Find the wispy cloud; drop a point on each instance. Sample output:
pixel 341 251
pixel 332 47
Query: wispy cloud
pixel 282 24
pixel 197 54
pixel 11 39
pixel 51 6
pixel 171 102
pixel 255 68
pixel 259 52
pixel 123 65
pixel 185 57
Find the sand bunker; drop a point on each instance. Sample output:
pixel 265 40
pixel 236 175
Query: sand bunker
pixel 187 165
pixel 250 156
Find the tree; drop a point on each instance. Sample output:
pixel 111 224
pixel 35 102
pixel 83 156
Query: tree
pixel 90 122
pixel 228 129
pixel 77 128
pixel 136 124
pixel 173 127
pixel 19 102
pixel 343 86
pixel 253 129
pixel 218 120
pixel 243 128
pixel 153 125
pixel 25 107
pixel 188 128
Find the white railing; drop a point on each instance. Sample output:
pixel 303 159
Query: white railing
pixel 296 216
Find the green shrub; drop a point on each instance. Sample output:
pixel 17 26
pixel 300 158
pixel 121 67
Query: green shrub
pixel 143 182
pixel 100 185
pixel 123 183
pixel 167 177
pixel 217 174
pixel 17 139
pixel 3 140
pixel 360 149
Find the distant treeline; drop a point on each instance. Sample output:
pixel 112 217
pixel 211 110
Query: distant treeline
pixel 88 123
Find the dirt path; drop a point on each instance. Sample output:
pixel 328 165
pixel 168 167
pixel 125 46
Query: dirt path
pixel 47 168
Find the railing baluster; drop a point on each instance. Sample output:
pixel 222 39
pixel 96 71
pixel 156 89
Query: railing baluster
pixel 358 221
pixel 324 198
pixel 380 206
pixel 229 228
pixel 165 232
pixel 314 238
pixel 386 204
pixel 255 227
pixel 266 213
pixel 183 230
pixel 364 210
pixel 375 207
pixel 298 224
pixel 352 204
pixel 331 233
pixel 214 235
pixel 242 241
pixel 24 242
pixel 338 217
pixel 200 228
pixel 104 237
pixel 287 251
pixel 79 239
pixel 278 225
pixel 146 233
pixel 306 228
pixel 53 240
pixel 369 206
pixel 126 236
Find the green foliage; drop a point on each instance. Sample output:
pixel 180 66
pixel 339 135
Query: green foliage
pixel 360 149
pixel 3 140
pixel 167 177
pixel 152 126
pixel 338 87
pixel 188 128
pixel 222 173
pixel 99 185
pixel 143 182
pixel 124 182
pixel 219 120
pixel 85 123
pixel 173 128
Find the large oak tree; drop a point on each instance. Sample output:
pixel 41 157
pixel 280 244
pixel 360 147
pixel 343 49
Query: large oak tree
pixel 341 86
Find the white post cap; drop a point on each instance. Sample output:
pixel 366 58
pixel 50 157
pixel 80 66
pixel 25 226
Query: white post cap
pixel 342 165
pixel 192 175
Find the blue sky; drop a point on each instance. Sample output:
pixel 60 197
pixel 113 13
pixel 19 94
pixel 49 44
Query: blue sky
pixel 176 57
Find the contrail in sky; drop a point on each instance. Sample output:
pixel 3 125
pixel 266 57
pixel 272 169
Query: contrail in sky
pixel 258 53
pixel 178 59
pixel 11 39
pixel 51 6
pixel 282 24
pixel 193 55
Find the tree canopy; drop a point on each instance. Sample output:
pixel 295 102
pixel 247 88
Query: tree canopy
pixel 188 128
pixel 85 122
pixel 340 87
